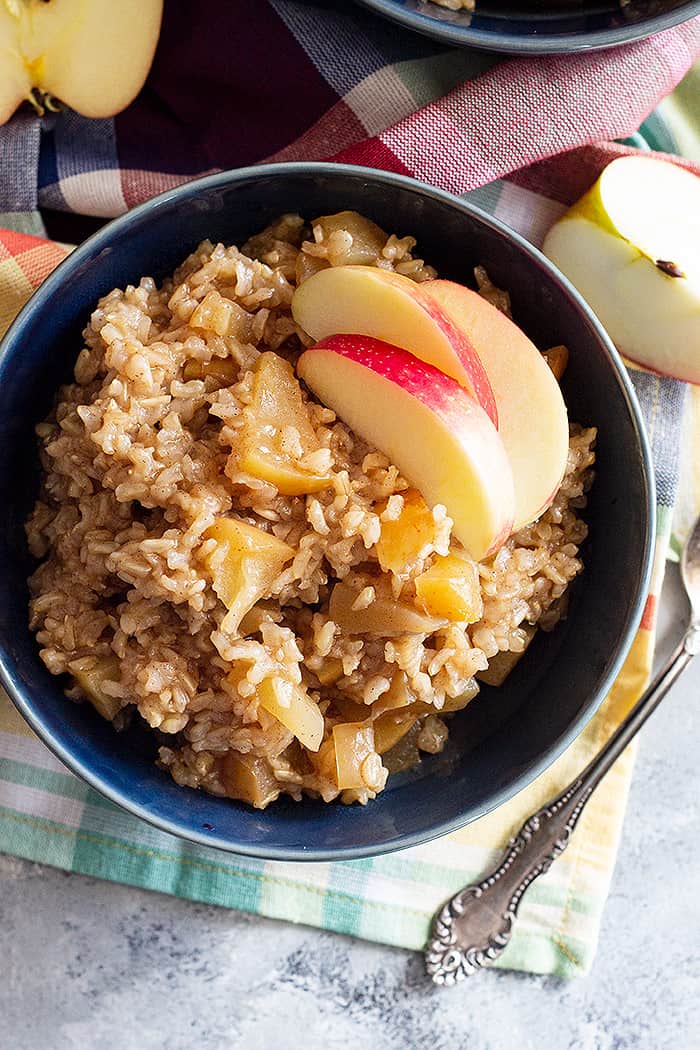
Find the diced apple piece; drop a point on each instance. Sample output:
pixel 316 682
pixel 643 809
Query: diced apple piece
pixel 390 727
pixel 631 246
pixel 223 369
pixel 532 418
pixel 503 663
pixel 91 682
pixel 94 55
pixel 384 615
pixel 277 407
pixel 427 424
pixel 398 695
pixel 255 617
pixel 451 588
pixel 452 704
pixel 498 297
pixel 323 761
pixel 250 779
pixel 557 357
pixel 306 266
pixel 293 707
pixel 350 710
pixel 458 703
pixel 401 541
pixel 404 754
pixel 368 301
pixel 244 565
pixel 354 744
pixel 357 240
pixel 214 313
pixel 330 672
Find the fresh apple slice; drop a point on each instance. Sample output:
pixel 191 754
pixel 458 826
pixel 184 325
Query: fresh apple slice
pixel 532 420
pixel 427 424
pixel 94 55
pixel 365 300
pixel 631 246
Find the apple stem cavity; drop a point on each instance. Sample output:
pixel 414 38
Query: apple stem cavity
pixel 631 246
pixel 42 101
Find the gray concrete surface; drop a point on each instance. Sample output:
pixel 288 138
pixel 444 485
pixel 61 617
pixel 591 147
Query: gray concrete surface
pixel 87 965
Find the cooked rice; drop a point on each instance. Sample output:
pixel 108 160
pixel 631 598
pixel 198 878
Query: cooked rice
pixel 470 5
pixel 456 5
pixel 138 461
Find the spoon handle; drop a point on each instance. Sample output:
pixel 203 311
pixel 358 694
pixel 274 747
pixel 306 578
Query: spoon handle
pixel 473 928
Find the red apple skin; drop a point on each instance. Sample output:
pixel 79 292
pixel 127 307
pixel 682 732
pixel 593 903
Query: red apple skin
pixel 533 420
pixel 456 412
pixel 463 363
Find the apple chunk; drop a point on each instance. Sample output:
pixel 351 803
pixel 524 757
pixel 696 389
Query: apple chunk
pixel 427 424
pixel 92 680
pixel 94 55
pixel 532 419
pixel 631 246
pixel 243 562
pixel 366 300
pixel 402 540
pixel 277 408
pixel 451 588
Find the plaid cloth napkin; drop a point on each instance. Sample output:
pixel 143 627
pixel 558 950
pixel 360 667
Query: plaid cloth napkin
pixel 307 80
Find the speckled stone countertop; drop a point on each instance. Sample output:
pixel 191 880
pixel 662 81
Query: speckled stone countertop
pixel 87 965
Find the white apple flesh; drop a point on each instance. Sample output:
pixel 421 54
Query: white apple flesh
pixel 532 418
pixel 427 424
pixel 631 246
pixel 94 55
pixel 366 300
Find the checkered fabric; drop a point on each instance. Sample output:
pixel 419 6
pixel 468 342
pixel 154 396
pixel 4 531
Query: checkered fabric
pixel 277 79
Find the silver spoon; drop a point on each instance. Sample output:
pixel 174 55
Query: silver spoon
pixel 473 928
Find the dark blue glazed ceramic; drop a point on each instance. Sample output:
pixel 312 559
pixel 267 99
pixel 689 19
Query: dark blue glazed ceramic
pixel 504 739
pixel 529 27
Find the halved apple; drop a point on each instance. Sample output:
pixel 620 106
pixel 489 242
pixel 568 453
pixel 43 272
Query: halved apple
pixel 366 300
pixel 428 425
pixel 532 419
pixel 94 55
pixel 631 246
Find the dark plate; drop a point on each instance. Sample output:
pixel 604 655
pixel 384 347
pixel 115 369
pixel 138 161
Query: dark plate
pixel 532 27
pixel 504 739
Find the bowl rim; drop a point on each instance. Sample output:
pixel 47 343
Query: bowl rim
pixel 24 701
pixel 546 44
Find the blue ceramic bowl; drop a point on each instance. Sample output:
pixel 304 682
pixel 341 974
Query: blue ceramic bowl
pixel 529 27
pixel 501 741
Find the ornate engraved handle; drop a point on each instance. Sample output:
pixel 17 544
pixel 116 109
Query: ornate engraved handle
pixel 474 927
